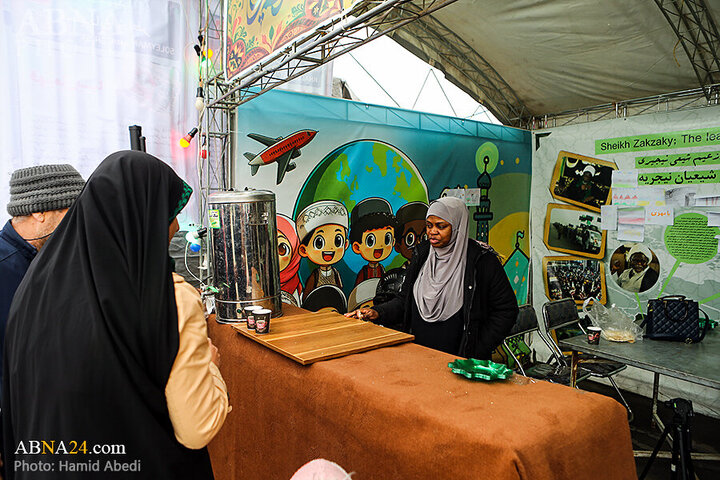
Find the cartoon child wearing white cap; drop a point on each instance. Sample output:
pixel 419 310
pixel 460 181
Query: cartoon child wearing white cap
pixel 638 277
pixel 322 227
pixel 362 296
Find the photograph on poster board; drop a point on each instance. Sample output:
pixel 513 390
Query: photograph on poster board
pixel 634 267
pixel 574 277
pixel 582 181
pixel 574 230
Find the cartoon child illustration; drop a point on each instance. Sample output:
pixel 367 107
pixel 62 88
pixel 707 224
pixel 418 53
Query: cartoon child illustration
pixel 362 296
pixel 289 256
pixel 325 298
pixel 322 228
pixel 372 234
pixel 411 227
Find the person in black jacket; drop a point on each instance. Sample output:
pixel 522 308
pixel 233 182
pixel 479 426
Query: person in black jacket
pixel 456 296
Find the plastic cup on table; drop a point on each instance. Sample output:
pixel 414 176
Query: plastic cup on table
pixel 593 335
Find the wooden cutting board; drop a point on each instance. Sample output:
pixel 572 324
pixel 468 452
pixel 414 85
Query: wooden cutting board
pixel 308 337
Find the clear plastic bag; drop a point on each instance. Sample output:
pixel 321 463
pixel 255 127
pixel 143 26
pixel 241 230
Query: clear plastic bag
pixel 615 325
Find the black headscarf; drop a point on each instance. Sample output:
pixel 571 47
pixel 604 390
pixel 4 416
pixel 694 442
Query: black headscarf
pixel 93 331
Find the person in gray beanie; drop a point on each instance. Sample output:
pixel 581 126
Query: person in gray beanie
pixel 39 198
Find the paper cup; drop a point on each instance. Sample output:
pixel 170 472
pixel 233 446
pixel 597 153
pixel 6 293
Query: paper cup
pixel 250 315
pixel 262 320
pixel 593 335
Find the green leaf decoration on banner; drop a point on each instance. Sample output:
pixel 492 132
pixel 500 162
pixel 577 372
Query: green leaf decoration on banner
pixel 239 34
pixel 271 33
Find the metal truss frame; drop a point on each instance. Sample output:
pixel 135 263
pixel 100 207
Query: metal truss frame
pixel 682 100
pixel 426 37
pixel 698 35
pixel 215 124
pixel 462 65
pixel 367 21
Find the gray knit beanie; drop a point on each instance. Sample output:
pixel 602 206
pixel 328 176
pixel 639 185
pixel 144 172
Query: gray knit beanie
pixel 43 188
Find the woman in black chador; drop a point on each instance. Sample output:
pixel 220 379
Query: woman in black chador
pixel 105 350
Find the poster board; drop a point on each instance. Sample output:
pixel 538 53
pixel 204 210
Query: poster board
pixel 666 200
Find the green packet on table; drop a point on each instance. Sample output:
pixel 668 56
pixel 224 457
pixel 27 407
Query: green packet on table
pixel 480 369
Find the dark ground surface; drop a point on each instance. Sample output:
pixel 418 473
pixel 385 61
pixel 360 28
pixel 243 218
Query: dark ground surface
pixel 705 432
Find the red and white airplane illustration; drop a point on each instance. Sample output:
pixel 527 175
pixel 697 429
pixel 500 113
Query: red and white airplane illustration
pixel 280 150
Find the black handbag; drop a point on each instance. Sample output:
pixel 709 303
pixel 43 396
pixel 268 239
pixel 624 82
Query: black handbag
pixel 674 318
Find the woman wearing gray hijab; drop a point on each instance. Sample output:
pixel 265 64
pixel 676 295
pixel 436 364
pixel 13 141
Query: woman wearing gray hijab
pixel 456 297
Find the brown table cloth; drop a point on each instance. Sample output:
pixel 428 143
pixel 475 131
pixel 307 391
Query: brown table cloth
pixel 400 413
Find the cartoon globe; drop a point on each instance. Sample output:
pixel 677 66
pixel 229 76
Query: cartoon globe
pixel 356 171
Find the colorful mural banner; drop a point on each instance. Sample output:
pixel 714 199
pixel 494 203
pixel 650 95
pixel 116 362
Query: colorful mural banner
pixel 256 29
pixel 353 183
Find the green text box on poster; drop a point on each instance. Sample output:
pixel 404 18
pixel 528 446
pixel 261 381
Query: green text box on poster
pixel 690 240
pixel 659 141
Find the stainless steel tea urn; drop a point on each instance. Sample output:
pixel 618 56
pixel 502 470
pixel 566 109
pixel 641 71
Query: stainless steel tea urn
pixel 245 254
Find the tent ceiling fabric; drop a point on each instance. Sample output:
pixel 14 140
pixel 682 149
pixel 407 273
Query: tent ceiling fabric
pixel 554 56
pixel 429 39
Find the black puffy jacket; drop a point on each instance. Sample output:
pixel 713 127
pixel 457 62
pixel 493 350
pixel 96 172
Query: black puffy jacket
pixel 489 306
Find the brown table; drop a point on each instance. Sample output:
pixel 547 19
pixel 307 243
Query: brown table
pixel 399 413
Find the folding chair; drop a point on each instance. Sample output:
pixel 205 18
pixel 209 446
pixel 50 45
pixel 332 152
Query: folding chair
pixel 563 313
pixel 558 373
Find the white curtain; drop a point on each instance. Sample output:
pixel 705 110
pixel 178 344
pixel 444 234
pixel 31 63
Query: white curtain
pixel 76 74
